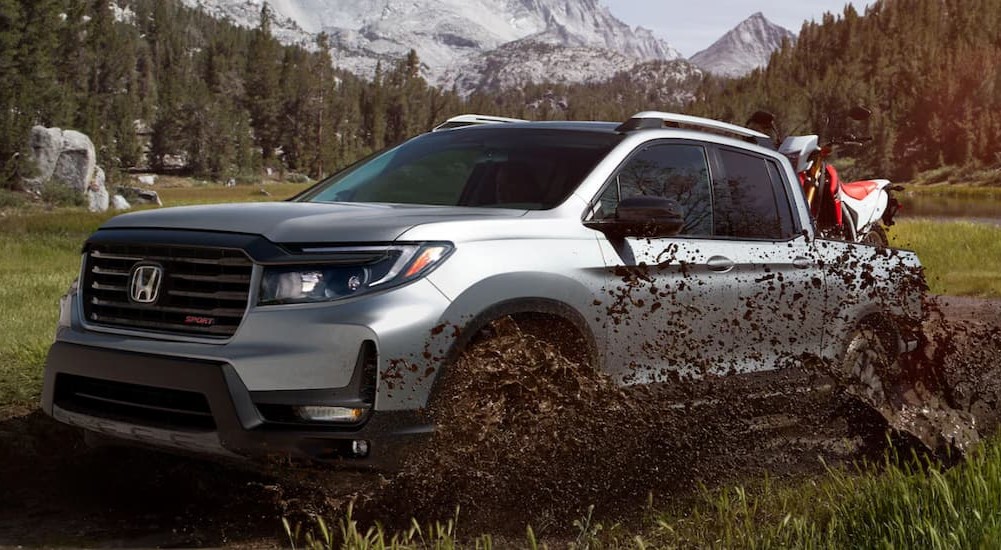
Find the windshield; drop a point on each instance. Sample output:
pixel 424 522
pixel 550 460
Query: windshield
pixel 523 168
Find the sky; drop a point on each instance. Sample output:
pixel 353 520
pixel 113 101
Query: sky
pixel 691 27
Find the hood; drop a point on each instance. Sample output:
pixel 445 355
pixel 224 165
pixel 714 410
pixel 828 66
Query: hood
pixel 301 222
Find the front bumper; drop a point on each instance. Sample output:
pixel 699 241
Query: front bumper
pixel 203 407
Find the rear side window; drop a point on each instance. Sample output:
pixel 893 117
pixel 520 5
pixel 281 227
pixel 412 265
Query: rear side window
pixel 750 199
pixel 673 171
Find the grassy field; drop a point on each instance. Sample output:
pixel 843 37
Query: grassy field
pixel 958 191
pixel 960 258
pixel 39 258
pixel 960 179
pixel 210 193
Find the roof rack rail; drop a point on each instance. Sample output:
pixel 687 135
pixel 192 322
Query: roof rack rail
pixel 473 120
pixel 657 119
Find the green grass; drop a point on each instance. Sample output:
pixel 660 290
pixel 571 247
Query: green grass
pixel 899 506
pixel 39 258
pixel 960 258
pixel 957 191
pixel 213 193
pixel 959 180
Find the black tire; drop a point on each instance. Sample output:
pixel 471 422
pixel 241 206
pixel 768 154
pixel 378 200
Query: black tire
pixel 911 410
pixel 876 236
pixel 869 367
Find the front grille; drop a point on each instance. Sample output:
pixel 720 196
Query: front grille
pixel 133 403
pixel 203 291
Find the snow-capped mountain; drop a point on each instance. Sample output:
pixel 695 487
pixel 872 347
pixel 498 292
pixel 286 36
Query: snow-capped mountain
pixel 746 47
pixel 451 36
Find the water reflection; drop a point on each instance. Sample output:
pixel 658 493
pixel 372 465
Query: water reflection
pixel 976 209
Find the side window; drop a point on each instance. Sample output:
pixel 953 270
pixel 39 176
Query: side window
pixel 783 202
pixel 674 171
pixel 749 199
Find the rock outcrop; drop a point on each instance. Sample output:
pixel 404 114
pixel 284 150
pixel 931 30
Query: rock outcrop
pixel 67 157
pixel 118 202
pixel 138 195
pixel 97 193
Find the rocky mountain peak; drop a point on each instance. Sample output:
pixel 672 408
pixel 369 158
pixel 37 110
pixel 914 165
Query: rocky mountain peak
pixel 445 33
pixel 744 48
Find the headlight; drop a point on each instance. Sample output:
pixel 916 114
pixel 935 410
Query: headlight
pixel 340 279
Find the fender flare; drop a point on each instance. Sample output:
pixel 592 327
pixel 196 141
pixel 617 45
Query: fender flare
pixel 514 306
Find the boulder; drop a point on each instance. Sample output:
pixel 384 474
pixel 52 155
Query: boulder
pixel 46 145
pixel 67 157
pixel 97 193
pixel 118 202
pixel 77 162
pixel 138 195
pixel 149 179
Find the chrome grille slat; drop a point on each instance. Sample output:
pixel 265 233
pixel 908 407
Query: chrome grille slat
pixel 219 279
pixel 220 295
pixel 109 272
pixel 103 256
pixel 217 312
pixel 204 290
pixel 112 288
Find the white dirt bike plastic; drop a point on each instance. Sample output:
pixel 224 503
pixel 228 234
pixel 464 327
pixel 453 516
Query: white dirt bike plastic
pixel 863 203
pixel 862 213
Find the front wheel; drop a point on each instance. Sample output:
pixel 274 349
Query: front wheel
pixel 876 236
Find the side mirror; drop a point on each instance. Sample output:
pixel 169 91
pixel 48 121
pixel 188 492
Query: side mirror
pixel 859 112
pixel 649 217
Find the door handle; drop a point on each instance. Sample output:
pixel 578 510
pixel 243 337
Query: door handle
pixel 721 264
pixel 802 263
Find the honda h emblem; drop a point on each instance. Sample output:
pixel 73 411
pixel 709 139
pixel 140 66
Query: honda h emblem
pixel 144 288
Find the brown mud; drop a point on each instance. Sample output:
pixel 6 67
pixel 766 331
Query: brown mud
pixel 512 450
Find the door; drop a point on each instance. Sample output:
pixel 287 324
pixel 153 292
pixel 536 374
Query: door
pixel 778 277
pixel 669 301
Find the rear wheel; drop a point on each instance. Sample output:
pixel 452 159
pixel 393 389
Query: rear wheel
pixel 873 371
pixel 869 366
pixel 876 236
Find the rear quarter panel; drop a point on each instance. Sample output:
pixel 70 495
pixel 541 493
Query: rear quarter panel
pixel 863 281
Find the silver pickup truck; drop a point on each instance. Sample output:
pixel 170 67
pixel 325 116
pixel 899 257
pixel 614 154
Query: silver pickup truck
pixel 667 247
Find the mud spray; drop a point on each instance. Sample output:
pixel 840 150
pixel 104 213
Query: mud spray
pixel 528 436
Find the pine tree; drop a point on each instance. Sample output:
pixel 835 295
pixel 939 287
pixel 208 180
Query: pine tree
pixel 264 100
pixel 12 125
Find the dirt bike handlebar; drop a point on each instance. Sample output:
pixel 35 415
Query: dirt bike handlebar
pixel 850 140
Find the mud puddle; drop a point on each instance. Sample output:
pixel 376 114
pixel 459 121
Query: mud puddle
pixel 512 450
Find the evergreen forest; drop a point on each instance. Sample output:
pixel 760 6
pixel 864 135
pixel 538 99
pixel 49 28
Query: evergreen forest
pixel 158 86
